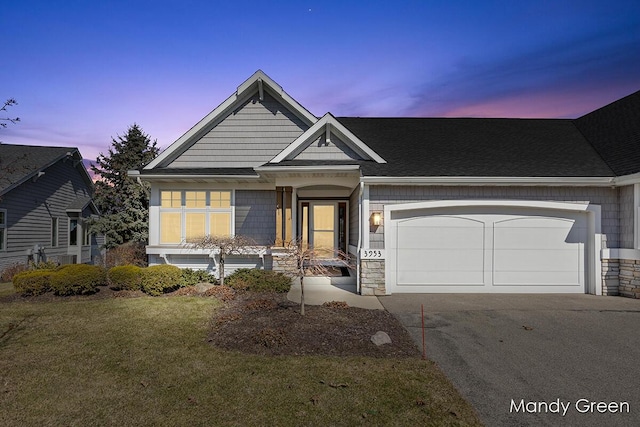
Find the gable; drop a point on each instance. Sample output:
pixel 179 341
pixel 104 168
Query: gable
pixel 249 136
pixel 324 148
pixel 317 143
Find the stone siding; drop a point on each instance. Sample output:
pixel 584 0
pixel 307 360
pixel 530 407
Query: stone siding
pixel 629 278
pixel 372 277
pixel 610 277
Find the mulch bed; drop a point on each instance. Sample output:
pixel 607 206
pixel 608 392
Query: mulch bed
pixel 269 324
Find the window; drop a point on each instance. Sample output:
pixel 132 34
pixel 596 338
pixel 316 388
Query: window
pixel 73 232
pixel 86 235
pixel 190 214
pixel 54 232
pixel 3 230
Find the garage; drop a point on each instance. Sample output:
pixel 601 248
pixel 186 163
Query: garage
pixel 489 247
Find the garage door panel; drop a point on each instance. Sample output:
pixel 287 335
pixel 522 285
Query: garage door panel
pixel 536 278
pixel 442 233
pixel 534 260
pixel 439 278
pixel 428 260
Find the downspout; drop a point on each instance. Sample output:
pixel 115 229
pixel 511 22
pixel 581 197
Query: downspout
pixel 360 196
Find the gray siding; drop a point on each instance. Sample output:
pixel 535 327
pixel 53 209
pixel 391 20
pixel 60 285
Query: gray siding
pixel 30 208
pixel 626 217
pixel 335 150
pixel 256 215
pixel 250 136
pixel 607 198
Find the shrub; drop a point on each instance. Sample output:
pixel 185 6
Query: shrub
pixel 193 277
pixel 125 277
pixel 255 280
pixel 159 279
pixel 8 273
pixel 77 279
pixel 131 253
pixel 35 282
pixel 43 265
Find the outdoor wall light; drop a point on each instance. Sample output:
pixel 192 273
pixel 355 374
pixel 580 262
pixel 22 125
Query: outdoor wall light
pixel 376 218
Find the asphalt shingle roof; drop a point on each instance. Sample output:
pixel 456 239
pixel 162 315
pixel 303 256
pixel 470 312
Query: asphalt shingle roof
pixel 477 147
pixel 614 131
pixel 19 162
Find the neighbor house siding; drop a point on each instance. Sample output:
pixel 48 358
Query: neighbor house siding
pixel 30 207
pixel 250 136
pixel 607 198
pixel 256 215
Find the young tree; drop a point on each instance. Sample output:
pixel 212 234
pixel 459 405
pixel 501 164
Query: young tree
pixel 123 202
pixel 303 261
pixel 225 245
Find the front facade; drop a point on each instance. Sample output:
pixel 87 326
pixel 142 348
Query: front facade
pixel 422 205
pixel 45 205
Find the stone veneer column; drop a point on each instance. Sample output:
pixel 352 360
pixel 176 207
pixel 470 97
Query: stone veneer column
pixel 372 277
pixel 629 285
pixel 610 277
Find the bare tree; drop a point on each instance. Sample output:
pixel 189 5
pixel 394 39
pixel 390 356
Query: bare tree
pixel 303 261
pixel 8 103
pixel 226 245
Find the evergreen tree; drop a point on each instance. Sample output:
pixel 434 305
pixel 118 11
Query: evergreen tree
pixel 122 201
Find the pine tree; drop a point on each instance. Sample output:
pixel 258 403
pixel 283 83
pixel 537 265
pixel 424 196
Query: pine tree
pixel 123 202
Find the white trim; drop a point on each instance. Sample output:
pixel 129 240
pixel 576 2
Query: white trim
pixel 593 269
pixel 634 178
pixel 5 227
pixel 488 180
pixel 325 168
pixel 636 216
pixel 365 218
pixel 246 89
pixel 621 253
pixel 325 124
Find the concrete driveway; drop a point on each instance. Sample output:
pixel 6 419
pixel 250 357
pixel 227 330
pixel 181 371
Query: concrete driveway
pixel 520 360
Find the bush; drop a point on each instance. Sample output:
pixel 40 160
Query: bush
pixel 131 253
pixel 127 277
pixel 34 282
pixel 8 273
pixel 255 280
pixel 160 279
pixel 193 277
pixel 77 279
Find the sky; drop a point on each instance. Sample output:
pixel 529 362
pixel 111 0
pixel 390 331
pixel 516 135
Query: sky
pixel 83 71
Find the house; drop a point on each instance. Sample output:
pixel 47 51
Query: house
pixel 424 204
pixel 45 201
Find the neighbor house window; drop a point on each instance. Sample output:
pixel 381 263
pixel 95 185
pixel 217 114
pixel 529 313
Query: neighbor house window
pixel 3 229
pixel 54 232
pixel 190 214
pixel 73 232
pixel 86 235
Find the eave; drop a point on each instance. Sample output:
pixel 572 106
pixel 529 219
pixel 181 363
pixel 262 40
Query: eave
pixel 491 181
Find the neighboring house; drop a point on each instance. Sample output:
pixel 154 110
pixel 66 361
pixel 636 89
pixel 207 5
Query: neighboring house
pixel 425 204
pixel 45 201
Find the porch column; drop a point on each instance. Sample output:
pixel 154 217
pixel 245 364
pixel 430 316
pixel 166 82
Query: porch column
pixel 294 214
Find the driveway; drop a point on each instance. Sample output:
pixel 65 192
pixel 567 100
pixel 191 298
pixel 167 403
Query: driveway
pixel 543 352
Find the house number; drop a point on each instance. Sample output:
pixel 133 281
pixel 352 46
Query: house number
pixel 372 254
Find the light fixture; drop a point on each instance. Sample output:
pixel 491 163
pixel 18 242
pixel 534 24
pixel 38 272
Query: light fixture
pixel 376 218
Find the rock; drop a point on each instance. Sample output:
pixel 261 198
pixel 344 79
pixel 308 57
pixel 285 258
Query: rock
pixel 203 287
pixel 380 338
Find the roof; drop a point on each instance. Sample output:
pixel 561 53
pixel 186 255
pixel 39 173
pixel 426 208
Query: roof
pixel 477 147
pixel 18 163
pixel 614 131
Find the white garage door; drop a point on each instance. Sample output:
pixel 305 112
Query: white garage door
pixel 489 250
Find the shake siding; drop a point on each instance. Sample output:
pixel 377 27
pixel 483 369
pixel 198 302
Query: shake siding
pixel 250 136
pixel 607 198
pixel 30 208
pixel 626 217
pixel 336 150
pixel 256 215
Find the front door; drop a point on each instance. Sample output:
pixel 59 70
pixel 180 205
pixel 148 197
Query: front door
pixel 322 225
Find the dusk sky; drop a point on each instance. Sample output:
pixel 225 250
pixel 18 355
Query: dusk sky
pixel 82 71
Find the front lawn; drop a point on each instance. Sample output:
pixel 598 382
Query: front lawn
pixel 146 361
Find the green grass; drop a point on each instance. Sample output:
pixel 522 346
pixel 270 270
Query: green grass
pixel 146 361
